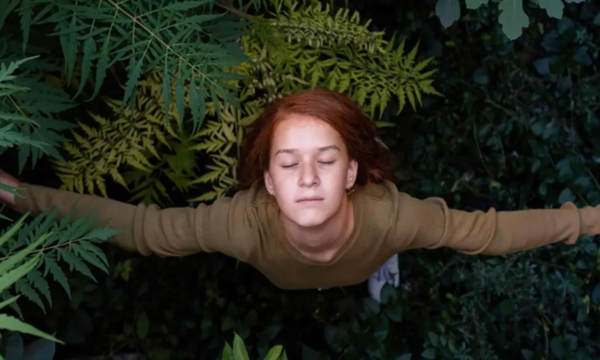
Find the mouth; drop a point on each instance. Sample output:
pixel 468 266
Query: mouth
pixel 309 200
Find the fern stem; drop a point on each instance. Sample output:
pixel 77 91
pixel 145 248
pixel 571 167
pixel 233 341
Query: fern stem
pixel 234 11
pixel 16 106
pixel 161 41
pixel 66 244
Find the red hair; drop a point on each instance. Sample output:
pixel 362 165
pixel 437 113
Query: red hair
pixel 339 111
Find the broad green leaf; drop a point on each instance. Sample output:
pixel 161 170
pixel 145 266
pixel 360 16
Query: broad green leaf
pixel 448 11
pixel 239 349
pixel 512 18
pixel 14 348
pixel 41 349
pixel 12 324
pixel 596 294
pixel 227 352
pixel 554 8
pixel 274 353
pixel 566 196
pixel 429 354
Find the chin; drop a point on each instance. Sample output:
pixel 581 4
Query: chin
pixel 310 220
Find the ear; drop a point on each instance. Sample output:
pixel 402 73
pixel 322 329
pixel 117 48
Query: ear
pixel 352 173
pixel 269 182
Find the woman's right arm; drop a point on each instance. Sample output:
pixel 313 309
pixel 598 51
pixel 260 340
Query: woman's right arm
pixel 223 226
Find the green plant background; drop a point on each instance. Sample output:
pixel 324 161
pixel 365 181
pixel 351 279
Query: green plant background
pixel 511 124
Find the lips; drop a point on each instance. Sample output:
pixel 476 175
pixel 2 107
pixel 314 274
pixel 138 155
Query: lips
pixel 309 199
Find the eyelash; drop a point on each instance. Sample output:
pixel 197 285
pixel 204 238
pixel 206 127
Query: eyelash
pixel 322 162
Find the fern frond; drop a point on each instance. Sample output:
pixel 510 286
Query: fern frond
pixel 150 37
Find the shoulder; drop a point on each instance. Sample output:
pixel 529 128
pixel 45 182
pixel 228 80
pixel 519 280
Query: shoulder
pixel 378 204
pixel 384 192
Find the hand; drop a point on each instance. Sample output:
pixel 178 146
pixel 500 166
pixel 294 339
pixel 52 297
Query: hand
pixel 5 196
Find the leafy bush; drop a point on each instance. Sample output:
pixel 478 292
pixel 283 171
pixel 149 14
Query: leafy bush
pixel 27 249
pixel 515 129
pixel 292 46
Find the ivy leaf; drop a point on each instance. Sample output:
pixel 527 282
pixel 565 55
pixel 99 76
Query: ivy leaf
pixel 527 354
pixel 474 4
pixel 512 18
pixel 566 196
pixel 429 354
pixel 554 8
pixel 448 11
pixel 141 326
pixel 596 294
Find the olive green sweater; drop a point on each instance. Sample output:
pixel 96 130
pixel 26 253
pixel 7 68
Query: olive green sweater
pixel 247 227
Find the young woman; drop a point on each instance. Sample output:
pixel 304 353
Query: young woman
pixel 316 207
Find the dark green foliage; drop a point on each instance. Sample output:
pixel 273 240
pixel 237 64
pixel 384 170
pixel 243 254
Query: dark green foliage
pixel 516 129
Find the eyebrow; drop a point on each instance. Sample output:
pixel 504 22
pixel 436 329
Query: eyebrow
pixel 321 149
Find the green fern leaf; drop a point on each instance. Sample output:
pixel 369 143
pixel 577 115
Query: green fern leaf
pixel 179 95
pixel 6 297
pixel 89 49
pixel 91 258
pixel 187 5
pixel 135 70
pixel 26 13
pixel 75 263
pixel 12 324
pixel 166 88
pixel 7 7
pixel 97 252
pixel 102 65
pixel 24 288
pixel 59 276
pixel 39 283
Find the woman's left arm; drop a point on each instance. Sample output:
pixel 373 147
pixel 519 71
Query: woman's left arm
pixel 431 224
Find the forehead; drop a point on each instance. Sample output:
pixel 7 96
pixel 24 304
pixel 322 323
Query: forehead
pixel 304 130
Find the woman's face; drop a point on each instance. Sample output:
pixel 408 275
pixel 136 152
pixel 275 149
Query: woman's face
pixel 309 170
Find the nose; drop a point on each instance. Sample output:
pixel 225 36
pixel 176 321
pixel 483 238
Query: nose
pixel 309 176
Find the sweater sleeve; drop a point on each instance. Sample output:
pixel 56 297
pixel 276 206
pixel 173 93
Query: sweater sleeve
pixel 223 226
pixel 431 224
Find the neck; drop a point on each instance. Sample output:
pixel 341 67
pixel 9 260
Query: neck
pixel 322 242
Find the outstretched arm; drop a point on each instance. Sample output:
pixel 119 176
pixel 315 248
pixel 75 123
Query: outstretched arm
pixel 431 224
pixel 222 227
